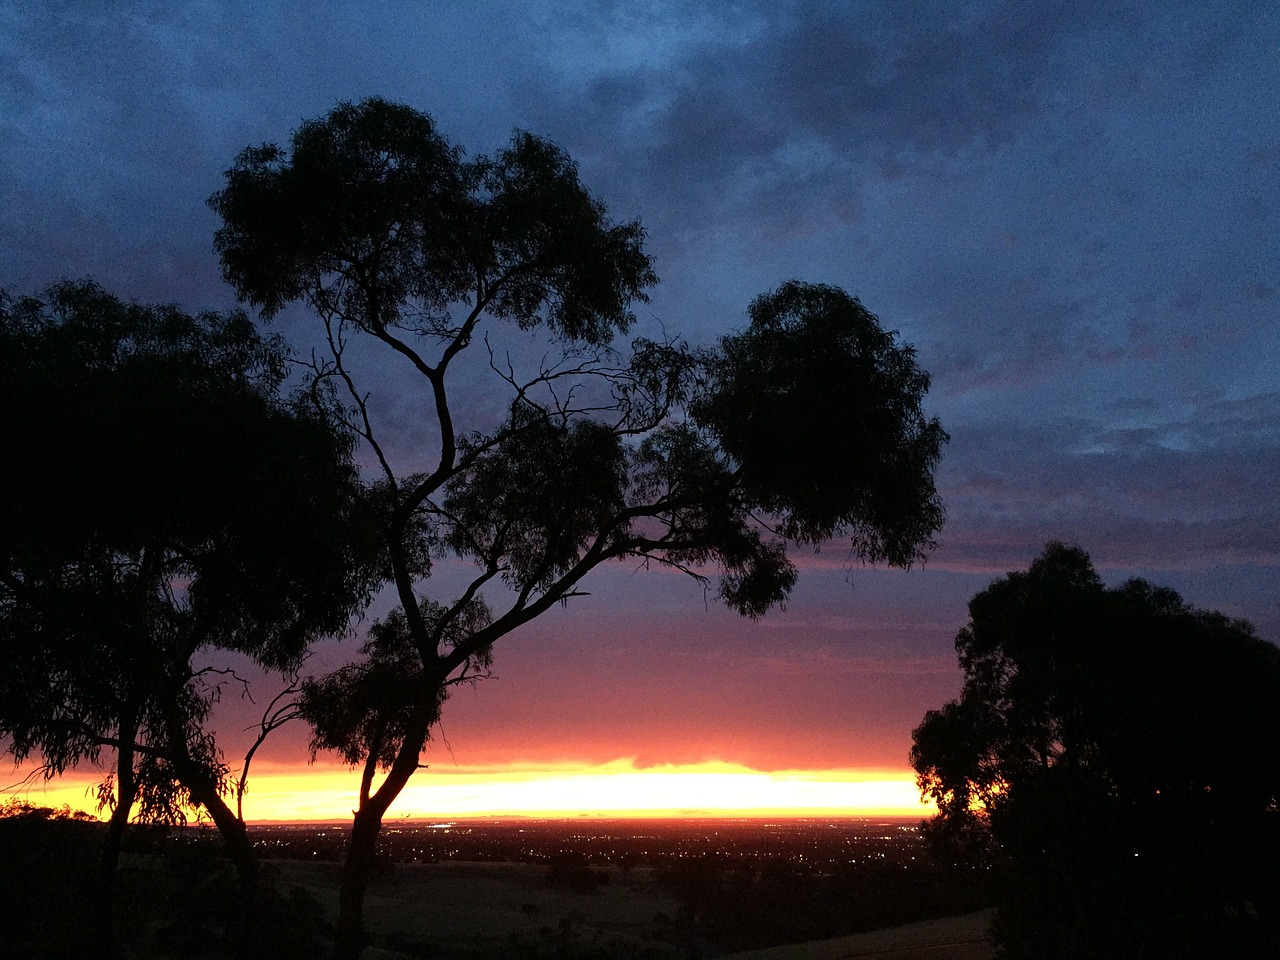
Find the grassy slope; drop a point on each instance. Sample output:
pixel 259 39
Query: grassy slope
pixel 953 938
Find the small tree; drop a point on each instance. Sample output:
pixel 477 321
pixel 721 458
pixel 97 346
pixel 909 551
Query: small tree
pixel 1122 751
pixel 162 499
pixel 804 427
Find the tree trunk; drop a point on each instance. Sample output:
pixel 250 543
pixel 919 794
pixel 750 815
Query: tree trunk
pixel 240 849
pixel 350 939
pixel 203 789
pixel 103 898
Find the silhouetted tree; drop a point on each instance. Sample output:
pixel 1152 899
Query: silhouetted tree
pixel 804 427
pixel 161 499
pixel 1122 750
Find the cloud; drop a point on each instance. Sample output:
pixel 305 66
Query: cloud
pixel 1189 490
pixel 881 84
pixel 1069 209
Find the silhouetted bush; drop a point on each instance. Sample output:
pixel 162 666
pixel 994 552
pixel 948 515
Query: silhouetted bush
pixel 572 870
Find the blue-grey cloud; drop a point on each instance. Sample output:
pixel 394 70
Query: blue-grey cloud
pixel 1193 488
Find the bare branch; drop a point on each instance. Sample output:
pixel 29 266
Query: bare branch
pixel 337 346
pixel 216 688
pixel 279 711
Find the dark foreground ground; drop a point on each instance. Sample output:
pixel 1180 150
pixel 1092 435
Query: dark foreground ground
pixel 699 891
pixel 511 910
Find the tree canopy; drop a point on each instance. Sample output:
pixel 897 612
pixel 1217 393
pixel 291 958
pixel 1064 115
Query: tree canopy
pixel 162 499
pixel 806 426
pixel 155 466
pixel 1121 749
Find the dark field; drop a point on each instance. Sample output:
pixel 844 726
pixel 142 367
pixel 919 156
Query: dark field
pixel 643 890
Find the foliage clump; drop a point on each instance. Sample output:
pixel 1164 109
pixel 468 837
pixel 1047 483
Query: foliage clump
pixel 1118 752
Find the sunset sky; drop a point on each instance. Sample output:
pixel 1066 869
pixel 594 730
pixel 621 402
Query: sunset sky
pixel 1071 210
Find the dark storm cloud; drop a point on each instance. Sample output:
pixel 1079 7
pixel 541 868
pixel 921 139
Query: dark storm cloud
pixel 904 78
pixel 886 87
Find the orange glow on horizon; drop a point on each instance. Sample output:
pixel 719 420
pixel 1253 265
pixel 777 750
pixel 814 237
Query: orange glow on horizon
pixel 618 789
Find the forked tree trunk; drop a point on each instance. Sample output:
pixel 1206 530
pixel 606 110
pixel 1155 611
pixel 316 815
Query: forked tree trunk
pixel 350 937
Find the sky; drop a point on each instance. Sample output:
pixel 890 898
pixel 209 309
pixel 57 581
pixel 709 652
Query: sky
pixel 1070 210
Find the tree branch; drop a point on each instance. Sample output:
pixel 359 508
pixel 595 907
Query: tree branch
pixel 275 716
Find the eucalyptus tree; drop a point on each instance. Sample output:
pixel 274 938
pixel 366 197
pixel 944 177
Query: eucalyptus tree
pixel 1118 752
pixel 163 500
pixel 805 426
